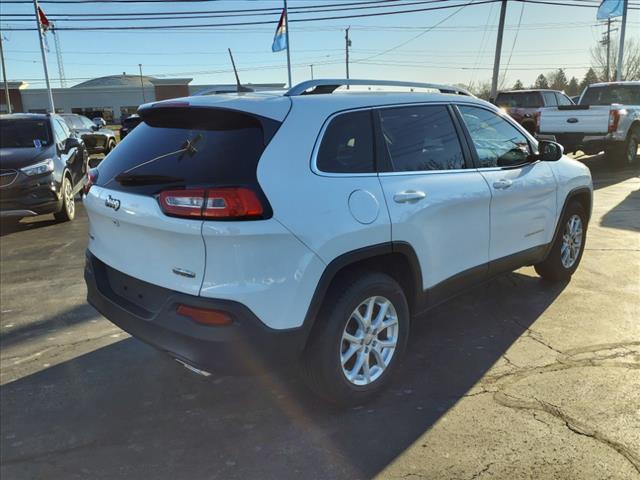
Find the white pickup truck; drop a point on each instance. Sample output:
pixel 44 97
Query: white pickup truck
pixel 607 117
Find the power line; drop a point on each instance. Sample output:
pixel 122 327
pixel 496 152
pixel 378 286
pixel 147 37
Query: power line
pixel 337 17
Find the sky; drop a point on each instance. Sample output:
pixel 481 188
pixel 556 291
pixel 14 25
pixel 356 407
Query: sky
pixel 444 46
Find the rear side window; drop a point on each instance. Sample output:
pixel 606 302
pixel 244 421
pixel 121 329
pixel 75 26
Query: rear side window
pixel 347 145
pixel 188 147
pixel 519 100
pixel 421 138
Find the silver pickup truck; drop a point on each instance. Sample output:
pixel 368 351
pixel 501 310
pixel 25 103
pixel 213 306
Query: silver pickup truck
pixel 607 117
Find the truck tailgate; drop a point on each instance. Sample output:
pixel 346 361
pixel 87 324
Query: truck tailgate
pixel 590 121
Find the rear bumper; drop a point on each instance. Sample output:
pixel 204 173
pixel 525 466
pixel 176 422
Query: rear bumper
pixel 245 347
pixel 590 144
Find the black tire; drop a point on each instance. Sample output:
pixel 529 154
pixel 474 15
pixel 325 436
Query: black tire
pixel 553 268
pixel 629 154
pixel 321 363
pixel 68 209
pixel 111 144
pixel 621 152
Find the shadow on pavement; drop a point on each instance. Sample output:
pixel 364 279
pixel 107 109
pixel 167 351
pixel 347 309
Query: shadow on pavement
pixel 127 411
pixel 625 215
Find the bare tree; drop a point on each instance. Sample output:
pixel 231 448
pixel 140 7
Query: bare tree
pixel 630 62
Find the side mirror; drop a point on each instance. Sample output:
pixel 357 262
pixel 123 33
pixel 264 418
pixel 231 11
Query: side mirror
pixel 71 142
pixel 95 127
pixel 99 122
pixel 549 151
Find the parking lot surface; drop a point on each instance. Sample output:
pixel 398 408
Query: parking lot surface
pixel 515 379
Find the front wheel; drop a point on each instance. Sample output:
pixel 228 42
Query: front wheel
pixel 360 337
pixel 68 210
pixel 566 252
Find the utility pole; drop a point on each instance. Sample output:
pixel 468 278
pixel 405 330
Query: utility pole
pixel 311 67
pixel 608 42
pixel 347 44
pixel 144 99
pixel 621 48
pixel 4 77
pixel 52 108
pixel 496 61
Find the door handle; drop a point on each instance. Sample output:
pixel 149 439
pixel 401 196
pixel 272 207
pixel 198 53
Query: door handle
pixel 502 184
pixel 409 196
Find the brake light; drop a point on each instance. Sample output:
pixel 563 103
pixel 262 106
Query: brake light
pixel 614 119
pixel 536 118
pixel 204 316
pixel 219 203
pixel 92 178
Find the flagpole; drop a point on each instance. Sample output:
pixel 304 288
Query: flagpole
pixel 621 48
pixel 44 57
pixel 286 22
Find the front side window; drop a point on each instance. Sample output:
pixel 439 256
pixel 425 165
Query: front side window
pixel 563 99
pixel 497 142
pixel 347 145
pixel 58 132
pixel 421 138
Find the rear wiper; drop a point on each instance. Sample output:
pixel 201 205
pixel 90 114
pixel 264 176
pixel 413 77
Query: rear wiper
pixel 132 180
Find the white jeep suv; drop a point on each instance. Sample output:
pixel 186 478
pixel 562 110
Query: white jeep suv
pixel 242 232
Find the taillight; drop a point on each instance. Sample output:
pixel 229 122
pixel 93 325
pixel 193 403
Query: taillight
pixel 220 203
pixel 204 316
pixel 614 118
pixel 92 178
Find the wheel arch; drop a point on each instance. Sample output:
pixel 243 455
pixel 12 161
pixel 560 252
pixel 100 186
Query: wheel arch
pixel 582 195
pixel 396 259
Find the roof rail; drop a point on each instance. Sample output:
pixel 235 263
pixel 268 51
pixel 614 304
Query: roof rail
pixel 328 85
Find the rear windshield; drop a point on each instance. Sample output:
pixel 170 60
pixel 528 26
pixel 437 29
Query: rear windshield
pixel 24 133
pixel 182 147
pixel 519 100
pixel 609 94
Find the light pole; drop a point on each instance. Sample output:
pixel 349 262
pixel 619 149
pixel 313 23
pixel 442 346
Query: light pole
pixel 311 67
pixel 4 77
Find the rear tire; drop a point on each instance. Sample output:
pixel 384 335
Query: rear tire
pixel 68 210
pixel 566 252
pixel 110 146
pixel 625 153
pixel 359 338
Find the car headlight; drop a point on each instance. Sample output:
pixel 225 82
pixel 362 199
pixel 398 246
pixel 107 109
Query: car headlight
pixel 39 168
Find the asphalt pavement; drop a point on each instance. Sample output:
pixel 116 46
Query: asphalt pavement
pixel 516 379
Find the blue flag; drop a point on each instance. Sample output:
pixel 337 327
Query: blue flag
pixel 610 9
pixel 280 38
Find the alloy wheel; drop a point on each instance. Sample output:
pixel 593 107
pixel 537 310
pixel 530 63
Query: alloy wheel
pixel 571 241
pixel 369 341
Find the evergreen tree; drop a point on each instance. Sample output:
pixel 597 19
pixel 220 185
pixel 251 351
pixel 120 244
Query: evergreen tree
pixel 558 80
pixel 541 82
pixel 590 77
pixel 518 85
pixel 573 88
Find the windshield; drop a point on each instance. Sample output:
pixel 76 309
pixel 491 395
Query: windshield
pixel 519 99
pixel 24 133
pixel 609 94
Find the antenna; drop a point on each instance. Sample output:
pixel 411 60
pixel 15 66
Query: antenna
pixel 240 88
pixel 61 76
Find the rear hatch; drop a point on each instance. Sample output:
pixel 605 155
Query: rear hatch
pixel 575 119
pixel 176 148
